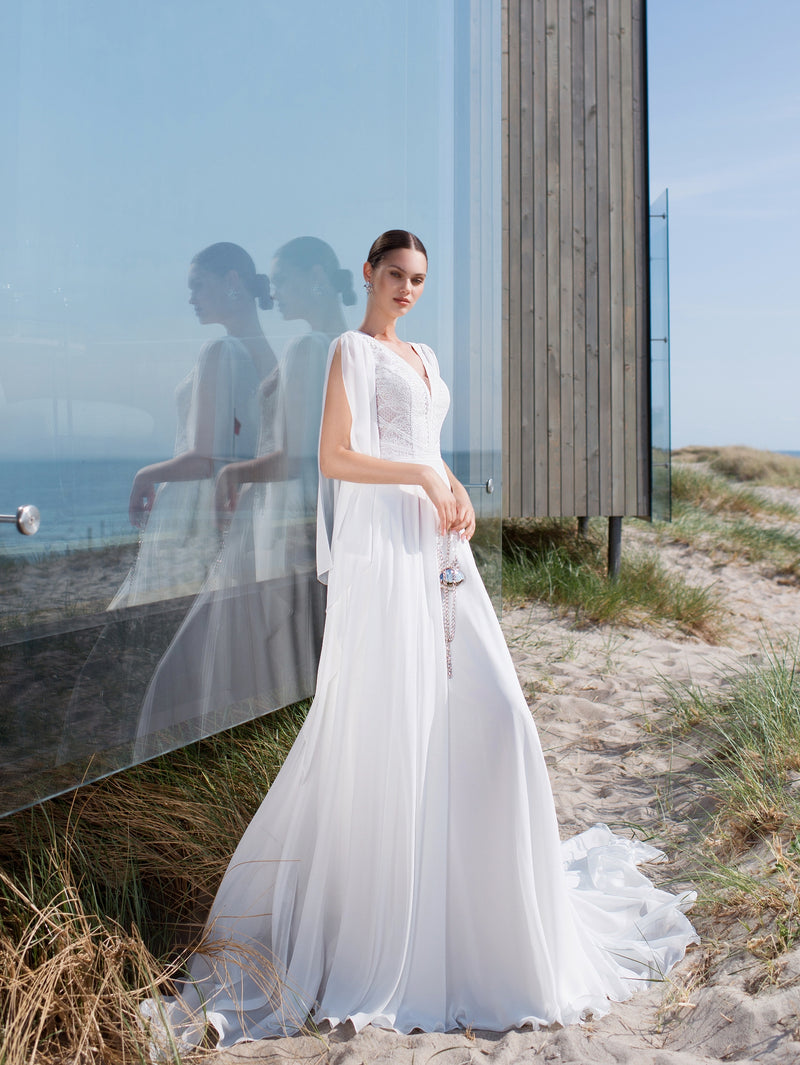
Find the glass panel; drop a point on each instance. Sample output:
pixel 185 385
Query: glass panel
pixel 659 358
pixel 147 611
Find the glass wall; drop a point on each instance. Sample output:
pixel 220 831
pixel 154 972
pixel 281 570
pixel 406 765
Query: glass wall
pixel 159 397
pixel 659 359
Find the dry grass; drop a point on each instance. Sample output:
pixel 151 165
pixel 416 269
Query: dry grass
pixel 70 982
pixel 695 488
pixel 105 891
pixel 746 464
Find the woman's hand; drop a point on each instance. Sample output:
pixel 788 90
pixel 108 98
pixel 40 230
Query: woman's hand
pixel 441 495
pixel 143 492
pixel 226 491
pixel 465 512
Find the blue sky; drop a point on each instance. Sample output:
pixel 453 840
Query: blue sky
pixel 139 134
pixel 724 111
pixel 148 152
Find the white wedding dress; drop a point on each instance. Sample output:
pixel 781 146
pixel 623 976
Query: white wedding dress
pixel 405 868
pixel 252 636
pixel 180 540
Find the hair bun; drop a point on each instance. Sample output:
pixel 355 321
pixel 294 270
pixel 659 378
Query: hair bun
pixel 344 285
pixel 261 291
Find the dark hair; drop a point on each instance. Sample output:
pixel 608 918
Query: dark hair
pixel 304 253
pixel 391 240
pixel 223 257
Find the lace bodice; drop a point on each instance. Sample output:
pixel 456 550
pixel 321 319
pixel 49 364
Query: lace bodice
pixel 410 416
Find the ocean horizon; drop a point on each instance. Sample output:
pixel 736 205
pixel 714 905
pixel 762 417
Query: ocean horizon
pixel 82 503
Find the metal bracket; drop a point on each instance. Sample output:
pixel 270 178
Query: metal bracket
pixel 27 519
pixel 487 486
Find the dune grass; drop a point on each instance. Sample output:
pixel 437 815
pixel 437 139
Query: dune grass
pixel 548 561
pixel 740 463
pixel 752 736
pixel 731 522
pixel 105 890
pixel 746 742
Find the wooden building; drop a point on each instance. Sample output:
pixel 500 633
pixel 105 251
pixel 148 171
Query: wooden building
pixel 576 395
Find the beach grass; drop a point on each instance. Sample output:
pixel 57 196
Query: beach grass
pixel 751 735
pixel 740 463
pixel 730 522
pixel 743 742
pixel 105 890
pixel 548 561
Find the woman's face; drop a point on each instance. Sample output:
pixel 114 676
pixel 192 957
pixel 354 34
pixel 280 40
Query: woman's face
pixel 208 294
pixel 398 280
pixel 291 288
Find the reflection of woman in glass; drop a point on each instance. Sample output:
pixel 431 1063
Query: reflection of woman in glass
pixel 217 422
pixel 309 286
pixel 405 868
pixel 255 629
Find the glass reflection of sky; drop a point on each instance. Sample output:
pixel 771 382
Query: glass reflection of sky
pixel 139 134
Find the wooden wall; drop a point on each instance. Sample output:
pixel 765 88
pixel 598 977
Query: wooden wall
pixel 575 360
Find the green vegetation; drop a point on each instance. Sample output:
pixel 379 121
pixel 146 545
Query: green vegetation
pixel 752 736
pixel 104 890
pixel 730 522
pixel 748 843
pixel 549 561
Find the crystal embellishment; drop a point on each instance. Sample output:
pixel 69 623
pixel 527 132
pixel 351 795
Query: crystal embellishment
pixel 451 576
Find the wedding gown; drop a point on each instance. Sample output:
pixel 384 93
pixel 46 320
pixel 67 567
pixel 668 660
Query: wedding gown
pixel 250 642
pixel 405 868
pixel 181 540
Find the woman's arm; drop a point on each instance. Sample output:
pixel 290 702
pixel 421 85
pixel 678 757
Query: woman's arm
pixel 197 463
pixel 271 467
pixel 338 461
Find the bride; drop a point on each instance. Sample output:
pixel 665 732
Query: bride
pixel 405 868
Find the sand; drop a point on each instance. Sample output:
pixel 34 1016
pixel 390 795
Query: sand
pixel 598 698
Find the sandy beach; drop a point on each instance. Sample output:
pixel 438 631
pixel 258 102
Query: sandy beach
pixel 599 699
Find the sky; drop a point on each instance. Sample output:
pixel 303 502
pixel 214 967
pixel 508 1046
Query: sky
pixel 149 152
pixel 138 134
pixel 724 125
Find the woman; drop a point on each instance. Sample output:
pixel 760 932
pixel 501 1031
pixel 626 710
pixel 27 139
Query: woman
pixel 254 631
pixel 405 868
pixel 217 422
pixel 309 286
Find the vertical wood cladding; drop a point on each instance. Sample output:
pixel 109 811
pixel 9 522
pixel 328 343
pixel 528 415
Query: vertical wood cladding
pixel 576 383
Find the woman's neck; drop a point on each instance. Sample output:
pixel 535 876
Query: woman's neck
pixel 328 320
pixel 245 324
pixel 379 327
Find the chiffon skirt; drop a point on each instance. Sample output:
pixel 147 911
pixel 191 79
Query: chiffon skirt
pixel 405 868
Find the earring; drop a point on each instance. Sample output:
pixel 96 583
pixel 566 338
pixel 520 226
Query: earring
pixel 368 287
pixel 317 290
pixel 233 294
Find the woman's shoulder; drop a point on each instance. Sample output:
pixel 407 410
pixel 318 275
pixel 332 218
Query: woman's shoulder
pixel 352 336
pixel 224 347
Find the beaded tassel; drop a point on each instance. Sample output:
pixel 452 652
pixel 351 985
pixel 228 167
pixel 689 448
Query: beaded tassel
pixel 450 576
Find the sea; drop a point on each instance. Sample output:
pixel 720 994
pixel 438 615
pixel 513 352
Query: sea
pixel 82 502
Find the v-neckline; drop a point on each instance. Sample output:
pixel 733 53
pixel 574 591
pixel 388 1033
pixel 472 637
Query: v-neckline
pixel 426 379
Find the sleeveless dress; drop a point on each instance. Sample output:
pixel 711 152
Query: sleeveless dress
pixel 405 868
pixel 181 540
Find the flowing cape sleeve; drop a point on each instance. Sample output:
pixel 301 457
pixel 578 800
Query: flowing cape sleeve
pixel 226 372
pixel 358 374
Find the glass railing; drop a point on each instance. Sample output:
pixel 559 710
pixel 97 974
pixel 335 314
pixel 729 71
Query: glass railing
pixel 659 359
pixel 159 401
